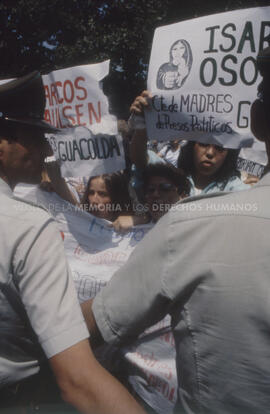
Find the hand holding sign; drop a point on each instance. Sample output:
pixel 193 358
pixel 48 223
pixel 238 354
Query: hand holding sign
pixel 140 103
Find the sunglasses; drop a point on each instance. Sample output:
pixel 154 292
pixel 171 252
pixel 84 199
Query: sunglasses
pixel 162 188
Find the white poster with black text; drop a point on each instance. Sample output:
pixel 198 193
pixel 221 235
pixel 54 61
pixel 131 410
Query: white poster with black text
pixel 203 77
pixel 89 143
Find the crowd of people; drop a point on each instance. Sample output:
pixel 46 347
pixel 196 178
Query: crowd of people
pixel 205 267
pixel 155 178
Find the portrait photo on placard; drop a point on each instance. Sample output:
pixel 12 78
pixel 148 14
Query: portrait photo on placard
pixel 173 74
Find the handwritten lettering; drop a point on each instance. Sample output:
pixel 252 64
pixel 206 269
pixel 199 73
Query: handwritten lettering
pixel 232 67
pixel 96 147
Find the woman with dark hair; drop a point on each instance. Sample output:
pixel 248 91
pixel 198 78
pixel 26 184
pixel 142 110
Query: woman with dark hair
pixel 163 186
pixel 210 168
pixel 172 75
pixel 106 196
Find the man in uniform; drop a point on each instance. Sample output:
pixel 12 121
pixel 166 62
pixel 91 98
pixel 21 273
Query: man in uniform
pixel 206 263
pixel 40 317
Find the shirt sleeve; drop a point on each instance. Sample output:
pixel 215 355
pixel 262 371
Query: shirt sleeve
pixel 136 296
pixel 46 288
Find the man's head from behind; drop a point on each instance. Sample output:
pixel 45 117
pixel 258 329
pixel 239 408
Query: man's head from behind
pixel 260 110
pixel 23 146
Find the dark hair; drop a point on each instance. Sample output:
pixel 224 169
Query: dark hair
pixel 226 171
pixel 170 172
pixel 117 186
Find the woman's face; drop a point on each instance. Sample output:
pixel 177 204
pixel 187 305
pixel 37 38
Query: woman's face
pixel 160 194
pixel 208 159
pixel 178 51
pixel 99 199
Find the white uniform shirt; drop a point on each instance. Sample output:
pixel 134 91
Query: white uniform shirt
pixel 34 276
pixel 206 263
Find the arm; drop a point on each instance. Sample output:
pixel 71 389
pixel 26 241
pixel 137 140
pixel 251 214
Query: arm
pixel 58 183
pixel 138 149
pixel 251 179
pixel 124 223
pixel 89 387
pixel 138 145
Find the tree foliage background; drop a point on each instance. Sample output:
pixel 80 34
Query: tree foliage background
pixel 53 34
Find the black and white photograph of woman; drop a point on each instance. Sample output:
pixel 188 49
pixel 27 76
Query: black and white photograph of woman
pixel 172 74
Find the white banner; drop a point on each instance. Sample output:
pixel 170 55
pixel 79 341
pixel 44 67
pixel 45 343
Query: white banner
pixel 75 103
pixel 94 252
pixel 203 77
pixel 151 369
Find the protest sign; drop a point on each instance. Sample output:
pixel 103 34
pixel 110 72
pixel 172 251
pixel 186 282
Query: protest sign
pixel 203 77
pixel 89 143
pixel 253 160
pixel 250 167
pixel 94 252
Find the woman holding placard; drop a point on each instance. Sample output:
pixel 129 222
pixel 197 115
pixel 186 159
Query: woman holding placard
pixel 210 168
